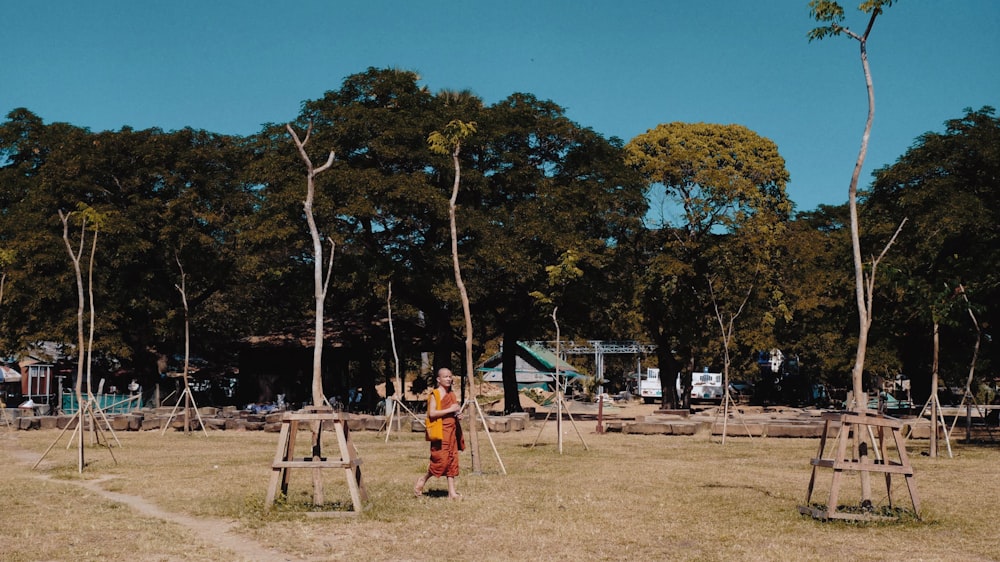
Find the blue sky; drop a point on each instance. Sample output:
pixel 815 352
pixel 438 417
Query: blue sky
pixel 618 67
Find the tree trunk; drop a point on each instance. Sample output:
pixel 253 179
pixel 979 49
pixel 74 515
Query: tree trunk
pixel 864 307
pixel 934 394
pixel 78 387
pixel 319 292
pixel 508 361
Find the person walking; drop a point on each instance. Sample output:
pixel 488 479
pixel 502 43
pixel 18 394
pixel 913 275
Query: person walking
pixel 443 407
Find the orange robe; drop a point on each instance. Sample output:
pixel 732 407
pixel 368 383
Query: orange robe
pixel 444 453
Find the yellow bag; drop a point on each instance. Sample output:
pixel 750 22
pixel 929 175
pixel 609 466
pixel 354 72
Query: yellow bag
pixel 435 428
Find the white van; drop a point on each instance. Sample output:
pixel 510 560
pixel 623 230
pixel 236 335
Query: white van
pixel 706 387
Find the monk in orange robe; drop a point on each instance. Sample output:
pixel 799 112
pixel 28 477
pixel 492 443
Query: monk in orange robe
pixel 443 404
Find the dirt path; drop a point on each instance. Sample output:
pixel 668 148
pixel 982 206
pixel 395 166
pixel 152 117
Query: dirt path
pixel 216 532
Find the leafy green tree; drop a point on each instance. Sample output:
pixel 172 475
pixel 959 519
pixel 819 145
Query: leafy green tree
pixel 160 193
pixel 6 259
pixel 816 281
pixel 947 185
pixel 37 300
pixel 385 205
pixel 541 185
pixel 728 186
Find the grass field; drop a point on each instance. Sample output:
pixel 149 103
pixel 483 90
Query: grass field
pixel 629 497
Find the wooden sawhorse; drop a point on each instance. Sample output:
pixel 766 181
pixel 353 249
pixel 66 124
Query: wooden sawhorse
pixel 855 427
pixel 284 457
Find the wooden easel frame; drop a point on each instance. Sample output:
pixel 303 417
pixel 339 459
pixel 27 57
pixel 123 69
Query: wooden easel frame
pixel 285 460
pixel 853 427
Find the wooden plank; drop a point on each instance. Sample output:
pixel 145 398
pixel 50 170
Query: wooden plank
pixel 306 417
pixel 313 464
pixel 891 468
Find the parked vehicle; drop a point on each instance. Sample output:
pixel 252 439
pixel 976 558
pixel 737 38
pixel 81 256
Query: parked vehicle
pixel 649 386
pixel 741 391
pixel 706 387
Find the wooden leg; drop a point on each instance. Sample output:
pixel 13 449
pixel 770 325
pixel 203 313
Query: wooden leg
pixel 292 430
pixel 278 475
pixel 904 460
pixel 819 455
pixel 317 456
pixel 846 432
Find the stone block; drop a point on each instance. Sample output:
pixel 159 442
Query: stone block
pixel 683 428
pixel 47 422
pixel 272 427
pixel 235 424
pixel 498 425
pixel 736 428
pixel 119 423
pixel 523 416
pixel 667 412
pixel 794 430
pixel 151 424
pixel 397 424
pixel 255 425
pixel 646 428
pixel 178 423
pixel 215 423
pixel 614 426
pixel 28 422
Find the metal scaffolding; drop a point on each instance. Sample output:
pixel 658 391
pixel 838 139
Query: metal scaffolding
pixel 598 349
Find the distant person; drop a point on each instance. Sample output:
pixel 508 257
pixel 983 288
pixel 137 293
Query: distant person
pixel 443 404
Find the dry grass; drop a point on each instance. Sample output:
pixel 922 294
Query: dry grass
pixel 628 497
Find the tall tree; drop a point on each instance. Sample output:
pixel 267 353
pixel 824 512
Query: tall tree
pixel 832 14
pixel 816 279
pixel 449 141
pixel 947 185
pixel 160 192
pixel 321 281
pixel 542 185
pixel 724 181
